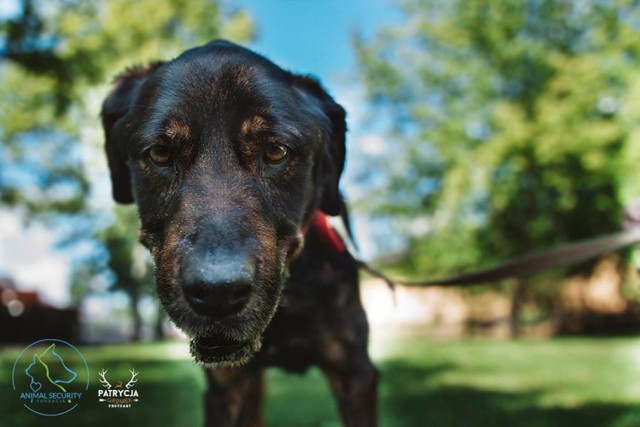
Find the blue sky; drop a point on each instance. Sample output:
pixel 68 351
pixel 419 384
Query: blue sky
pixel 314 36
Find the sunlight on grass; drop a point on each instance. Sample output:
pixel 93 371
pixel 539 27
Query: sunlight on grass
pixel 141 351
pixel 557 382
pixel 631 360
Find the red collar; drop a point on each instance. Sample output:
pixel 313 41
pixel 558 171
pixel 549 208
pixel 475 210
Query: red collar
pixel 319 222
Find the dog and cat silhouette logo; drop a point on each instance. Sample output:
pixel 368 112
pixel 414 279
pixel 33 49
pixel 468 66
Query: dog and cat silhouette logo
pixel 50 376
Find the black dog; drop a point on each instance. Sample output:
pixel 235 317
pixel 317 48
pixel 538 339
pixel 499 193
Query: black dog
pixel 234 164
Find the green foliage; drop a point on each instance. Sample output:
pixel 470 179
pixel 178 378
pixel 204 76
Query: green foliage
pixel 519 121
pixel 79 43
pixel 129 262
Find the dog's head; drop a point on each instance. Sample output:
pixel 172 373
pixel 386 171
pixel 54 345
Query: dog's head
pixel 227 156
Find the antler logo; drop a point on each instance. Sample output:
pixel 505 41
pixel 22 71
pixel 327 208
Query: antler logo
pixel 133 379
pixel 118 396
pixel 103 380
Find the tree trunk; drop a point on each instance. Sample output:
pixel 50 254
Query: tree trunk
pixel 136 334
pixel 159 331
pixel 516 308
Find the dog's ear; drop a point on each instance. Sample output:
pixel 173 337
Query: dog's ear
pixel 115 106
pixel 332 162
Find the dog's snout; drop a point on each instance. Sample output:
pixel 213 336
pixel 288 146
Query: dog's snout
pixel 217 287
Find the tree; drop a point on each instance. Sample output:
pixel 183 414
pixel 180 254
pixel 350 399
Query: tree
pixel 128 263
pixel 518 121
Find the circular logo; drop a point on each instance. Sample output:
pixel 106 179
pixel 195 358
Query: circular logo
pixel 49 377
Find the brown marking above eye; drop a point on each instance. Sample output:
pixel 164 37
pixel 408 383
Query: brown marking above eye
pixel 176 130
pixel 253 126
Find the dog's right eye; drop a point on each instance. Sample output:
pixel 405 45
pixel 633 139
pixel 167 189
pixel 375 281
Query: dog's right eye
pixel 275 153
pixel 161 156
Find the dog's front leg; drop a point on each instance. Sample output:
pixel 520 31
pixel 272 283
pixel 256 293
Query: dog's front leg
pixel 354 384
pixel 234 397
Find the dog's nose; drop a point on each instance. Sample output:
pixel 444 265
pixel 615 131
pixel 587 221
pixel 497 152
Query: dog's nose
pixel 217 288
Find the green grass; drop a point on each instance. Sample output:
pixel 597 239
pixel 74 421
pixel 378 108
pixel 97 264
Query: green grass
pixel 562 382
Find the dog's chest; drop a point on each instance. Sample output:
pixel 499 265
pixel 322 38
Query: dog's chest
pixel 319 302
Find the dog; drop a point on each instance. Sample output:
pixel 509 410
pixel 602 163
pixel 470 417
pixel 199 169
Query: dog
pixel 234 165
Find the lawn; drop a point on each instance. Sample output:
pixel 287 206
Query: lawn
pixel 562 382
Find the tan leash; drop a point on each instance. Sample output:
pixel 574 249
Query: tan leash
pixel 527 265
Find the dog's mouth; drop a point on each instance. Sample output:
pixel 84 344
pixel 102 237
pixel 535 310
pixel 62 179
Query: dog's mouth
pixel 221 351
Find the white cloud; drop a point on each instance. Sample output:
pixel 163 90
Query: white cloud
pixel 351 96
pixel 9 8
pixel 26 255
pixel 371 144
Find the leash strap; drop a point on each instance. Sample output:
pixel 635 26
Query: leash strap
pixel 562 256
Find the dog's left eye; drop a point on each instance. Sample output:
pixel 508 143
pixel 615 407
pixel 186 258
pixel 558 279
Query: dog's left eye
pixel 161 156
pixel 275 153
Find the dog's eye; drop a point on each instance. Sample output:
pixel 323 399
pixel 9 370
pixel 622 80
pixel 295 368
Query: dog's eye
pixel 275 153
pixel 161 156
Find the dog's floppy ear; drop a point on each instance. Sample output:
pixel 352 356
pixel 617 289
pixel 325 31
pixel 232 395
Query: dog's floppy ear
pixel 114 107
pixel 334 151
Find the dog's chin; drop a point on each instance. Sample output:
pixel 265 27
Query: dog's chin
pixel 218 352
